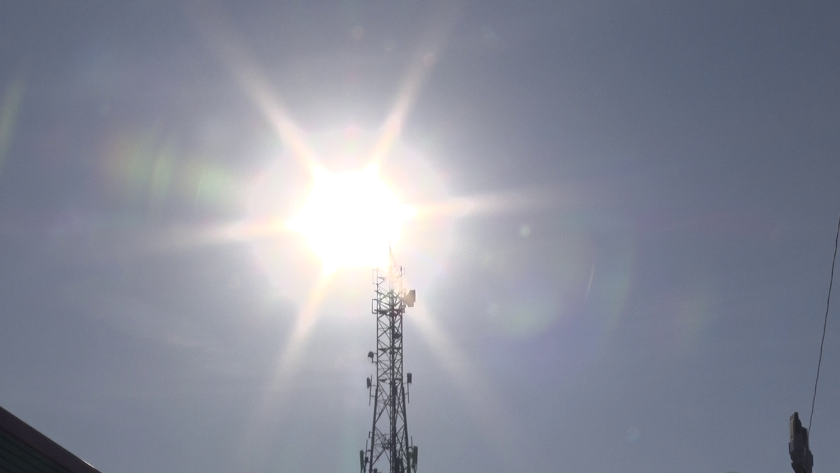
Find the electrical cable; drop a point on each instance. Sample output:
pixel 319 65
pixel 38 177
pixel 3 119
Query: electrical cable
pixel 825 324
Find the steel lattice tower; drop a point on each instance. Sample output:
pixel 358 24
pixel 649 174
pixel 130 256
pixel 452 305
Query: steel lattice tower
pixel 388 441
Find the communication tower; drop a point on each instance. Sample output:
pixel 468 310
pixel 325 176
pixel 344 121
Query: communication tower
pixel 388 448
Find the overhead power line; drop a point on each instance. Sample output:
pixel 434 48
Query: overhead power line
pixel 825 324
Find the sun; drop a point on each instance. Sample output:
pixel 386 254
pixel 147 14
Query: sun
pixel 349 219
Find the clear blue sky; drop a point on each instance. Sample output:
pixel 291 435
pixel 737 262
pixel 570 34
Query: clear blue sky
pixel 637 285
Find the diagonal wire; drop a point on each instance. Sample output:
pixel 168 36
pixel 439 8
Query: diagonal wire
pixel 825 324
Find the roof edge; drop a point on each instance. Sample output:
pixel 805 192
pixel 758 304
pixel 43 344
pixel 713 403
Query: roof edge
pixel 43 444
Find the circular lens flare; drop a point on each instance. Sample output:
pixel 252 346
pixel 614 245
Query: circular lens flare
pixel 349 219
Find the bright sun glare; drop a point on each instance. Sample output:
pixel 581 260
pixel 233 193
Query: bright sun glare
pixel 349 219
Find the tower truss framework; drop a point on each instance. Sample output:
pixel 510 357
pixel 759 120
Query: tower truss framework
pixel 389 448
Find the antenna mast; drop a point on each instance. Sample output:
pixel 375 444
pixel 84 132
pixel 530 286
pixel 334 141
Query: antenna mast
pixel 388 441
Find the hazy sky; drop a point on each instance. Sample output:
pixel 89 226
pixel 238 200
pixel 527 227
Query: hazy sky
pixel 623 267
